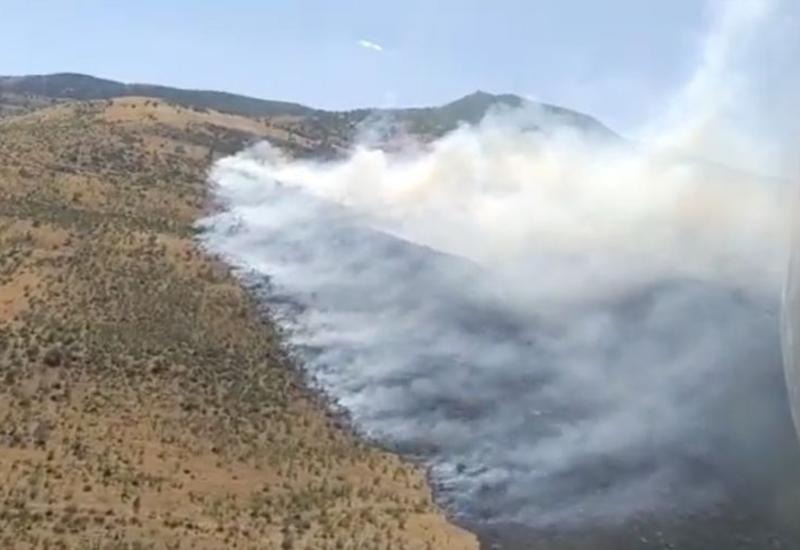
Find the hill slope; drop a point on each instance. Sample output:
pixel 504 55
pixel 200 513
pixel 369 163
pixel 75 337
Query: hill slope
pixel 145 402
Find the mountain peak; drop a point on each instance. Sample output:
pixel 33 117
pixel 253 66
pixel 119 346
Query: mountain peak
pixel 473 107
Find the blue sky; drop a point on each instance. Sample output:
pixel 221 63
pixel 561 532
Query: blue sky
pixel 613 58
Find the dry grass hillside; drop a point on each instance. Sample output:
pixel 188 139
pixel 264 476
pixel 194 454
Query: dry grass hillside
pixel 144 403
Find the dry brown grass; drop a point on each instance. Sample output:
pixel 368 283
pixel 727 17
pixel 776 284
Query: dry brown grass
pixel 145 403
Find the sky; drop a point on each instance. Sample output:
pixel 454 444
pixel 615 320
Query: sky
pixel 614 59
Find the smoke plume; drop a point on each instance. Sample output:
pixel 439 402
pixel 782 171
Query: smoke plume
pixel 567 330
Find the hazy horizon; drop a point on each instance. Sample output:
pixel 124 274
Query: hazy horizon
pixel 377 55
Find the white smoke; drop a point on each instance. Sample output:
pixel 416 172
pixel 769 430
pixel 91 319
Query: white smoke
pixel 567 331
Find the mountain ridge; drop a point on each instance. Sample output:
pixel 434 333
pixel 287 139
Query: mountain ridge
pixel 469 109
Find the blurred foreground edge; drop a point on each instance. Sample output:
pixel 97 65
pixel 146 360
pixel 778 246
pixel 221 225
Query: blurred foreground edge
pixel 790 324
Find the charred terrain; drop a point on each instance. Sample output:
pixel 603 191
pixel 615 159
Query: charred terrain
pixel 145 401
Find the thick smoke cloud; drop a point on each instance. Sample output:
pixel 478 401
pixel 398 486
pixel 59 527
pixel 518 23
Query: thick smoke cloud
pixel 567 330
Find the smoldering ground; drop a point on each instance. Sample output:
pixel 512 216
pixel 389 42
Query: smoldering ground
pixel 569 332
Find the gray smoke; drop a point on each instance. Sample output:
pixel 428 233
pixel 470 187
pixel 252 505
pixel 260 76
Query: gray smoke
pixel 565 331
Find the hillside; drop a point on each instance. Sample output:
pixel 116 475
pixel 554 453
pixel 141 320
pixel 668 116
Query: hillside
pixel 145 399
pixel 145 402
